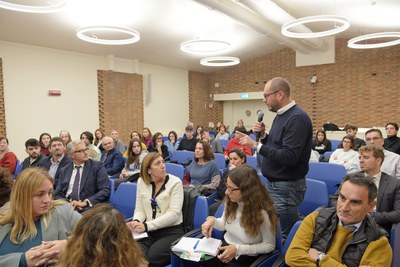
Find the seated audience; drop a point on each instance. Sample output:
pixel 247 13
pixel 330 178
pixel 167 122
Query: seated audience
pixel 83 181
pixel 238 125
pixel 118 144
pixel 93 152
pixel 215 144
pixel 102 239
pixel 6 184
pixel 344 154
pixel 147 137
pixel 222 133
pixel 158 146
pixel 237 157
pixel 188 142
pixel 131 172
pixel 249 220
pixel 387 210
pixel 321 144
pixel 57 160
pixel 66 137
pixel 44 140
pixel 158 210
pixel 197 134
pixel 98 138
pixel 8 159
pixel 392 142
pixel 32 147
pixel 137 135
pixel 352 131
pixel 343 235
pixel 35 230
pixel 203 171
pixel 391 164
pixel 234 142
pixel 172 143
pixel 111 157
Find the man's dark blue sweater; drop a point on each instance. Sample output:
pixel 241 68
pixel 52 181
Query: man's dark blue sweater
pixel 286 150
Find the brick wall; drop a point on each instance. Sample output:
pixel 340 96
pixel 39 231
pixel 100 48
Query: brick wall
pixel 120 103
pixel 2 109
pixel 360 88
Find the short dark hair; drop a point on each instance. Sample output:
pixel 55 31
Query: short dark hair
pixel 351 127
pixel 56 139
pixel 361 180
pixel 32 142
pixel 188 128
pixel 374 130
pixel 241 129
pixel 394 124
pixel 88 135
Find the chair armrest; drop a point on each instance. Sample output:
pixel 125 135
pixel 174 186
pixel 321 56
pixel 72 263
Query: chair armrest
pixel 266 259
pixel 280 261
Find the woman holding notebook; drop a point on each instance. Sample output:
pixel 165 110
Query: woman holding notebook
pixel 249 219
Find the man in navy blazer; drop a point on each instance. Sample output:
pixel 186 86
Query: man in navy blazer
pixel 387 210
pixel 57 160
pixel 84 182
pixel 111 157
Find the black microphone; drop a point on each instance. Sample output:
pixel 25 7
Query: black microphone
pixel 260 119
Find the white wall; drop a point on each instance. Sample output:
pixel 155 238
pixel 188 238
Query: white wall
pixel 30 71
pixel 235 110
pixel 168 108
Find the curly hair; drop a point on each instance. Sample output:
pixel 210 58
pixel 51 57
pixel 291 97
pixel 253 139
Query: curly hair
pixel 255 199
pixel 102 239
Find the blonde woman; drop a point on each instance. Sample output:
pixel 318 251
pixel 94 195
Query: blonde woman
pixel 34 231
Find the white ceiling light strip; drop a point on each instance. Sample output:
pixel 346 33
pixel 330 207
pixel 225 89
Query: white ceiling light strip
pixel 344 25
pixel 88 34
pixel 353 43
pixel 219 61
pixel 46 7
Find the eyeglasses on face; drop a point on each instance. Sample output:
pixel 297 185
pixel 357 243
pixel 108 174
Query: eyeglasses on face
pixel 81 150
pixel 230 189
pixel 376 138
pixel 267 95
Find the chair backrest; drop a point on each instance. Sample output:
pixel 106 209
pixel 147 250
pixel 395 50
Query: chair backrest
pixel 330 173
pixel 252 161
pixel 395 244
pixel 124 199
pixel 290 237
pixel 112 189
pixel 263 179
pixel 175 169
pixel 316 196
pixel 220 160
pixel 335 144
pixel 182 156
pixel 200 211
pixel 18 168
pixel 223 142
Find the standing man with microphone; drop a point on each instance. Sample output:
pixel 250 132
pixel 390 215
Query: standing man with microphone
pixel 285 151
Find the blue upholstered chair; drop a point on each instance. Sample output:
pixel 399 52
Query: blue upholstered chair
pixel 124 199
pixel 175 169
pixel 330 173
pixel 316 196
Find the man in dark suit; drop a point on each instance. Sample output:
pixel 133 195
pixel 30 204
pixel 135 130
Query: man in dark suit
pixel 387 210
pixel 111 157
pixel 83 181
pixel 32 147
pixel 57 160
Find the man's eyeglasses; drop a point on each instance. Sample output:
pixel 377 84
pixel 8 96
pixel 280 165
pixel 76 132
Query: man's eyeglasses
pixel 230 189
pixel 81 150
pixel 267 95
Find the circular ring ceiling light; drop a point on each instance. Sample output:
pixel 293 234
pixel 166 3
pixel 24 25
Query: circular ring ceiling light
pixel 83 34
pixel 45 6
pixel 345 24
pixel 352 43
pixel 204 46
pixel 219 61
